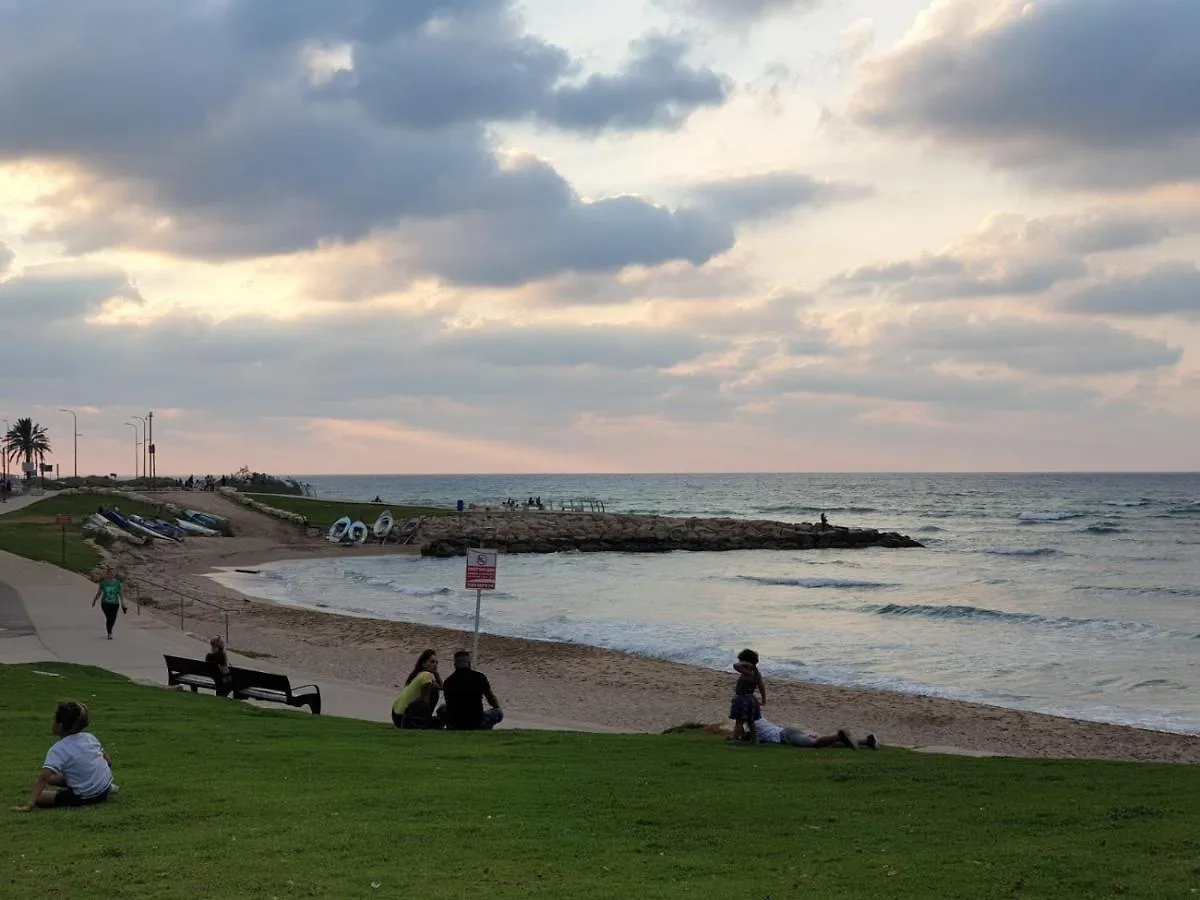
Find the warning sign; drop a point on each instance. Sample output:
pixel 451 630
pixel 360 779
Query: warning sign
pixel 481 570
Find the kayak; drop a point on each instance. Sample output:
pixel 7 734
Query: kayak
pixel 337 531
pixel 199 530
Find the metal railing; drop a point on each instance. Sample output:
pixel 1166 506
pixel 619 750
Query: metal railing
pixel 138 584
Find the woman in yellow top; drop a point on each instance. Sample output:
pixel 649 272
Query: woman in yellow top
pixel 416 703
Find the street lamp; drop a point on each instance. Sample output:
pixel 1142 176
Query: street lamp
pixel 4 450
pixel 142 419
pixel 135 448
pixel 75 429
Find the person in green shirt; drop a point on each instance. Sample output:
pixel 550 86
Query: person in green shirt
pixel 108 592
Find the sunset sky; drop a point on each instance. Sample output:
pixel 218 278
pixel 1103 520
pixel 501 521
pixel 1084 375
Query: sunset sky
pixel 636 235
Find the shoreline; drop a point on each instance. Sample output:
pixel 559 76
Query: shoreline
pixel 607 688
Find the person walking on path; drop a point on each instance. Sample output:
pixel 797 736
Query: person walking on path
pixel 465 691
pixel 108 592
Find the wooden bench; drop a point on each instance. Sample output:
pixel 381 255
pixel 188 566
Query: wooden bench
pixel 248 684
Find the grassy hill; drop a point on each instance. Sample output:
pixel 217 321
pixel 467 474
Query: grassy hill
pixel 323 513
pixel 31 531
pixel 221 799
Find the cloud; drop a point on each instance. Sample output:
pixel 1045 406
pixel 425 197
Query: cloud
pixel 748 11
pixel 755 198
pixel 6 257
pixel 1074 93
pixel 1168 289
pixel 207 130
pixel 55 293
pixel 1023 345
pixel 1015 255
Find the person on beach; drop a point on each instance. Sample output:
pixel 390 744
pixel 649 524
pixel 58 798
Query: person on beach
pixel 416 703
pixel 108 592
pixel 465 691
pixel 770 733
pixel 77 771
pixel 746 709
pixel 222 673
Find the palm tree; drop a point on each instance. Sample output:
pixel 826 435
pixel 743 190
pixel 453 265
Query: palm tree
pixel 26 441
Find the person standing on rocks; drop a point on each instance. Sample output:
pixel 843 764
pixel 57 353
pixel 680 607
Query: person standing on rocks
pixel 109 594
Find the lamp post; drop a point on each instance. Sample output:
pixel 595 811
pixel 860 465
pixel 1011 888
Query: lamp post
pixel 150 438
pixel 135 448
pixel 75 438
pixel 4 450
pixel 142 419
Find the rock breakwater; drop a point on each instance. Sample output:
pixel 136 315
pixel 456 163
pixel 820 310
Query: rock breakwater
pixel 556 532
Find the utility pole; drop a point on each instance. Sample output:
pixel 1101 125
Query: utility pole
pixel 145 446
pixel 4 450
pixel 136 442
pixel 75 437
pixel 153 465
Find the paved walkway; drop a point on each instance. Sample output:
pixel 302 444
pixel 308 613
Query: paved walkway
pixel 17 501
pixel 46 616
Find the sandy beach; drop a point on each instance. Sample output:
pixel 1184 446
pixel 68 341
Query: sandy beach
pixel 584 684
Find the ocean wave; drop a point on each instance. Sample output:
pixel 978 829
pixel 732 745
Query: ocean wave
pixel 1035 516
pixel 1128 504
pixel 1020 551
pixel 1104 528
pixel 815 582
pixel 1139 589
pixel 1185 509
pixel 929 529
pixel 983 614
pixel 794 510
pixel 390 584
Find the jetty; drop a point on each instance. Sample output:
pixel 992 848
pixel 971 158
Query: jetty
pixel 562 532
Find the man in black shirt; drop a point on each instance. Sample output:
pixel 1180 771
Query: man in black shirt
pixel 465 690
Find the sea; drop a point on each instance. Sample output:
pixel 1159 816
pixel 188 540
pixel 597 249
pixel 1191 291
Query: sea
pixel 1071 594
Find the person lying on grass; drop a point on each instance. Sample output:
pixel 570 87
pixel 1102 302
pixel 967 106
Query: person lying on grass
pixel 77 771
pixel 770 733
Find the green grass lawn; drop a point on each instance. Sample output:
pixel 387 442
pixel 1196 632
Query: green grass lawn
pixel 323 513
pixel 220 799
pixel 31 532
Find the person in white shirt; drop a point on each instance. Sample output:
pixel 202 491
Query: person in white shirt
pixel 77 771
pixel 770 733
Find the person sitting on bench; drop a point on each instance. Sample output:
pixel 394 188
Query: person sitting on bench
pixel 465 691
pixel 222 674
pixel 416 703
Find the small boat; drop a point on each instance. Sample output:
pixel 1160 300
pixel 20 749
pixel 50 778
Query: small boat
pixel 135 527
pixel 97 524
pixel 337 531
pixel 203 518
pixel 167 527
pixel 383 525
pixel 149 525
pixel 199 530
pixel 356 534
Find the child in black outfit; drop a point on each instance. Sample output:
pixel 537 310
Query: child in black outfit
pixel 746 709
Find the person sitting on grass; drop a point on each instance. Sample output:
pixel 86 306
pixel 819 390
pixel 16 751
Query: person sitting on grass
pixel 465 691
pixel 745 709
pixel 416 703
pixel 109 593
pixel 77 771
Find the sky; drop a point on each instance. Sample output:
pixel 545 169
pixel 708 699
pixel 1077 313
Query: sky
pixel 442 236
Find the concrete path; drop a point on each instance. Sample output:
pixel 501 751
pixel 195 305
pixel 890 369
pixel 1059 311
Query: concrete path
pixel 19 501
pixel 46 616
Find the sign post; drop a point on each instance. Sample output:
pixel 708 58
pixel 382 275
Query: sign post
pixel 63 521
pixel 481 575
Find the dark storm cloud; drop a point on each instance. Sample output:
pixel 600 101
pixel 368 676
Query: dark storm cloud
pixel 60 292
pixel 200 129
pixel 1098 93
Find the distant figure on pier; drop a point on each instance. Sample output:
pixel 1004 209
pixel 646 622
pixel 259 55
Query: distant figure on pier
pixel 377 499
pixel 824 521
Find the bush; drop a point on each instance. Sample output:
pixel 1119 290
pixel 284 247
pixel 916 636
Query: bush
pixel 262 483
